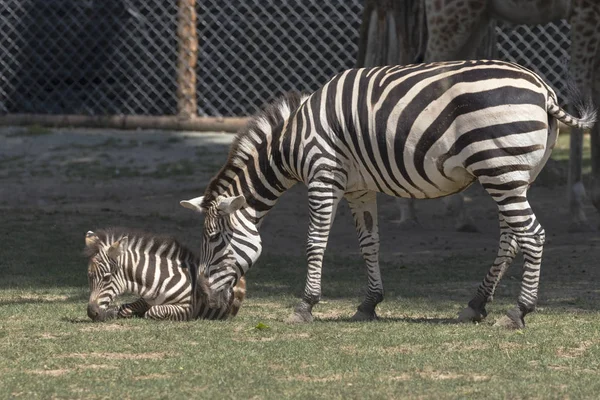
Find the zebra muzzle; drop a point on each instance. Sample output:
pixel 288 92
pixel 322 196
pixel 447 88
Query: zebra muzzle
pixel 97 313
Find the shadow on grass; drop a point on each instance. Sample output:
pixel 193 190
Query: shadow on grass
pixel 439 278
pixel 41 300
pixel 383 320
pixel 79 320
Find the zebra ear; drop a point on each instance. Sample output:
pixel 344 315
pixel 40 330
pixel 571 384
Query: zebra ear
pixel 91 238
pixel 227 205
pixel 117 248
pixel 193 204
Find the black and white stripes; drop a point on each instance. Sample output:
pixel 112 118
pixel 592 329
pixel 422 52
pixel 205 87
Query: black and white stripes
pixel 416 131
pixel 159 270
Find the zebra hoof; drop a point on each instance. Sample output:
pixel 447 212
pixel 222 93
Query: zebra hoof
pixel 299 318
pixel 510 321
pixel 470 315
pixel 361 316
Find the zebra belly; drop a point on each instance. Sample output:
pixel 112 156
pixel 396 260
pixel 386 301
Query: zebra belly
pixel 456 179
pixel 462 179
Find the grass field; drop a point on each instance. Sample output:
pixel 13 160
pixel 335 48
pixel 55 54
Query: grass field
pixel 49 348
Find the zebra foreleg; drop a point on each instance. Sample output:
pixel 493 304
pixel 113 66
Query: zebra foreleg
pixel 507 250
pixel 363 205
pixel 136 309
pixel 323 199
pixel 170 312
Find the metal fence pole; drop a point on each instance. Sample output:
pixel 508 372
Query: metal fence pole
pixel 187 58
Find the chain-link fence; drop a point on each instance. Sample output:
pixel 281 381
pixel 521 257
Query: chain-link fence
pixel 103 57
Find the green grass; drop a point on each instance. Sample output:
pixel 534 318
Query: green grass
pixel 49 349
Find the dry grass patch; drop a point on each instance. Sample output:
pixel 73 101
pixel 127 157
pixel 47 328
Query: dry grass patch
pixel 48 336
pixel 319 379
pixel 513 346
pixel 331 314
pixel 574 352
pixel 101 327
pixel 273 337
pixel 50 372
pixel 399 378
pixel 405 349
pixel 453 346
pixel 41 298
pixel 118 356
pixel 253 339
pixel 288 336
pixel 151 377
pixel 349 330
pixel 441 376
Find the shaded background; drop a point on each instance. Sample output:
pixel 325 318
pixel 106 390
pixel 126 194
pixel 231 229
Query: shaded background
pixel 102 57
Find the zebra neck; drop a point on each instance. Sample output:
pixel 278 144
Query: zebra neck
pixel 132 281
pixel 259 177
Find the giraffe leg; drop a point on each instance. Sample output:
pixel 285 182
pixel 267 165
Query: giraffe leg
pixel 363 205
pixel 507 249
pixel 408 215
pixel 136 309
pixel 324 194
pixel 455 205
pixel 170 312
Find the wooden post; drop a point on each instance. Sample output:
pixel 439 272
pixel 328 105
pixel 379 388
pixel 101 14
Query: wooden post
pixel 187 58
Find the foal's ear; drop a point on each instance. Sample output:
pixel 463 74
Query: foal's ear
pixel 193 204
pixel 227 205
pixel 91 239
pixel 117 248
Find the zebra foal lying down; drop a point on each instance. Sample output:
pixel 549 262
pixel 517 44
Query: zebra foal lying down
pixel 415 131
pixel 158 269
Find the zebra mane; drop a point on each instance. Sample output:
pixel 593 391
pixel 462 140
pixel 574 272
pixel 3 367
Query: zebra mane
pixel 110 235
pixel 255 133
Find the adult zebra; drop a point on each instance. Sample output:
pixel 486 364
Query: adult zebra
pixel 157 268
pixel 419 131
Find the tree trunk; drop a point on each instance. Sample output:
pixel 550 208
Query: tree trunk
pixel 186 59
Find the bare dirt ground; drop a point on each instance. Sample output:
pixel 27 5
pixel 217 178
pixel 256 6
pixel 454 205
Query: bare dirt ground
pixel 137 178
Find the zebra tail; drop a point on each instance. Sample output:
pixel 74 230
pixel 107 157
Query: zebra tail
pixel 585 108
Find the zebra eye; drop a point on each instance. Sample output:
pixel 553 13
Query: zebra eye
pixel 213 236
pixel 106 278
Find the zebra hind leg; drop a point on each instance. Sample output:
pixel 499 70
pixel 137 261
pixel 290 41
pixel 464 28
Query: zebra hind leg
pixel 363 205
pixel 530 236
pixel 507 250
